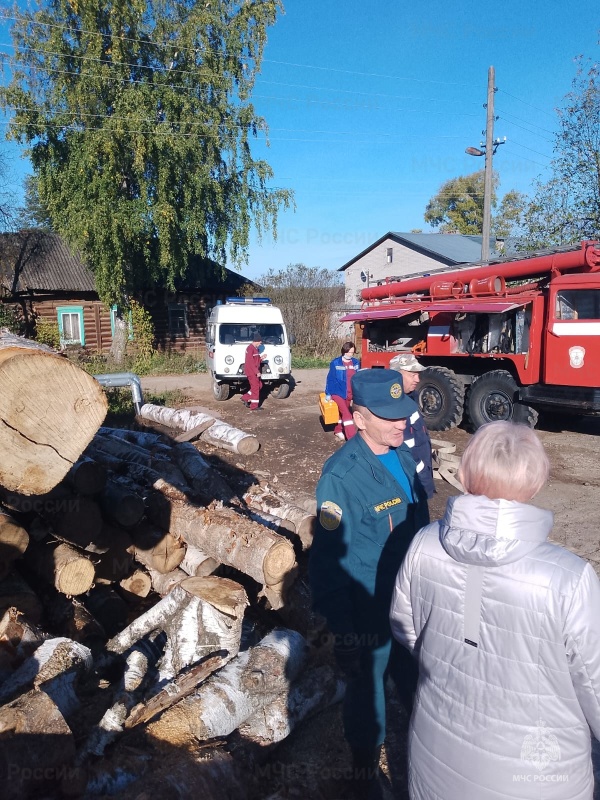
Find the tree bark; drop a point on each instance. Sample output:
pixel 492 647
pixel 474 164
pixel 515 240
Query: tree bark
pixel 219 434
pixel 156 549
pixel 15 591
pixel 202 478
pixel 120 503
pixel 220 705
pixel 303 522
pixel 18 639
pixel 13 542
pixel 162 583
pixel 34 733
pixel 315 690
pixel 183 685
pixel 86 477
pixel 53 667
pixel 49 412
pixel 230 538
pixel 198 564
pixel 199 616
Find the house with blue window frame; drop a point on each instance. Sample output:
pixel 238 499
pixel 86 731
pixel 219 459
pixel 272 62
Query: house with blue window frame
pixel 41 278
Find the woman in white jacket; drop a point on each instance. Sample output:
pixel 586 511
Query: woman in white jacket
pixel 506 630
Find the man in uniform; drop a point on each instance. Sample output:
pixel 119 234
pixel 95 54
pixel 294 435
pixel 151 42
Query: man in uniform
pixel 416 436
pixel 252 363
pixel 370 505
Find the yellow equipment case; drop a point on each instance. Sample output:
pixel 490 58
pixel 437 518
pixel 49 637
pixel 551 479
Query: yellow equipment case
pixel 329 410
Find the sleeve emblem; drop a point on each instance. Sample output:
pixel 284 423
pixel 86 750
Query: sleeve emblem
pixel 330 515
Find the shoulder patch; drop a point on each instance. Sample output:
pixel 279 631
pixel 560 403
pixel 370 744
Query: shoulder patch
pixel 330 515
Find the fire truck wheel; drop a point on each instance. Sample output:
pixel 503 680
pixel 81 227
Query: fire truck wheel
pixel 281 391
pixel 440 396
pixel 221 391
pixel 493 397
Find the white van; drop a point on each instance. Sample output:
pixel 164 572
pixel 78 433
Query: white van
pixel 230 329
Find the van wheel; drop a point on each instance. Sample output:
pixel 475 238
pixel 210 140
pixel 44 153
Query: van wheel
pixel 493 397
pixel 440 396
pixel 221 391
pixel 281 391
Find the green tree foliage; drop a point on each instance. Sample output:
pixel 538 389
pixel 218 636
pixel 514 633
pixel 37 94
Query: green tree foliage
pixel 458 205
pixel 508 221
pixel 566 209
pixel 306 296
pixel 33 214
pixel 139 121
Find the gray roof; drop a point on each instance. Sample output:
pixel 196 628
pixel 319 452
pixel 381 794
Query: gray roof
pixel 34 260
pixel 448 248
pixel 38 261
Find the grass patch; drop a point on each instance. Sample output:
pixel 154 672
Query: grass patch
pixel 120 404
pixel 159 363
pixel 300 361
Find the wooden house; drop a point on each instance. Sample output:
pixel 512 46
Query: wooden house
pixel 42 279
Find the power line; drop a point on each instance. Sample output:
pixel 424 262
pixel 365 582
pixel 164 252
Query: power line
pixel 526 121
pixel 539 136
pixel 514 97
pixel 150 41
pixel 544 155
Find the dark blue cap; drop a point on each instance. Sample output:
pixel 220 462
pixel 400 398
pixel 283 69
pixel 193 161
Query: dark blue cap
pixel 380 390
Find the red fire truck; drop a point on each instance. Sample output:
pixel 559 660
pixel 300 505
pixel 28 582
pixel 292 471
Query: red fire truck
pixel 501 340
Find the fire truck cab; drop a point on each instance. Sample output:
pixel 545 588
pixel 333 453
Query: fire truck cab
pixel 501 340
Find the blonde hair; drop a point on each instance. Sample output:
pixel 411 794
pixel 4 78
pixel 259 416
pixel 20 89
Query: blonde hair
pixel 504 460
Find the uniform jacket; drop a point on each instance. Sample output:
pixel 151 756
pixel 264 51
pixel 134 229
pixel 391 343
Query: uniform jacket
pixel 416 438
pixel 506 627
pixel 252 362
pixel 337 376
pixel 364 526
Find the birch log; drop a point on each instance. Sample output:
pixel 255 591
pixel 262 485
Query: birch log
pixel 197 563
pixel 221 704
pixel 162 583
pixel 121 503
pixel 201 476
pixel 86 477
pixel 233 539
pixel 16 592
pixel 34 734
pixel 53 667
pixel 303 522
pixel 156 549
pixel 63 567
pixel 315 690
pixel 19 637
pixel 49 412
pixel 136 586
pixel 199 616
pixel 220 434
pixel 13 542
pixel 107 448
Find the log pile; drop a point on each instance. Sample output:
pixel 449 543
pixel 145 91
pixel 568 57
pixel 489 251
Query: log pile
pixel 142 595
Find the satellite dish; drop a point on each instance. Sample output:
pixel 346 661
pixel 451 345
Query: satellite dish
pixel 363 277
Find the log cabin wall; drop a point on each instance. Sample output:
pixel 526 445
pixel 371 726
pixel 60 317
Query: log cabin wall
pixel 97 329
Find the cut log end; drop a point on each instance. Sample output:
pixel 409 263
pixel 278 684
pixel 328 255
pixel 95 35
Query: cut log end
pixel 279 560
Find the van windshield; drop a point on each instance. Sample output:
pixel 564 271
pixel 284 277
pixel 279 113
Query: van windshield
pixel 230 333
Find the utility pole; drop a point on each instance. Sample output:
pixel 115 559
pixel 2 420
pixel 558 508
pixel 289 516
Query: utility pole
pixel 488 175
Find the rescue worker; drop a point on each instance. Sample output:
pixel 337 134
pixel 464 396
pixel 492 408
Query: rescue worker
pixel 416 436
pixel 338 387
pixel 252 362
pixel 370 505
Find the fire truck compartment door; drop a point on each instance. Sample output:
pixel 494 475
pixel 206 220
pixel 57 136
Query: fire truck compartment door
pixel 573 338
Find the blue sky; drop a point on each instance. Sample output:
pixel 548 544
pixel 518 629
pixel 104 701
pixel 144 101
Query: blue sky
pixel 371 105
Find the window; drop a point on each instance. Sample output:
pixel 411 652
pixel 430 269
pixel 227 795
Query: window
pixel 70 325
pixel 230 333
pixel 113 317
pixel 578 304
pixel 390 255
pixel 178 324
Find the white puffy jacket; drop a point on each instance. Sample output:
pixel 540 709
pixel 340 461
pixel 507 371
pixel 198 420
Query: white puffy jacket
pixel 506 628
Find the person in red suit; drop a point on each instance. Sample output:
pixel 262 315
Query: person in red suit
pixel 252 363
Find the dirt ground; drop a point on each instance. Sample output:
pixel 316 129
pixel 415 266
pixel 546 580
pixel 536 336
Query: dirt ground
pixel 313 761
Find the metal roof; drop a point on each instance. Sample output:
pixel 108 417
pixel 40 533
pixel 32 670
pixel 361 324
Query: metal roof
pixel 453 306
pixel 38 261
pixel 34 260
pixel 448 248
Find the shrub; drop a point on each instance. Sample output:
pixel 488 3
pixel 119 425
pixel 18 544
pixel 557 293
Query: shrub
pixel 47 332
